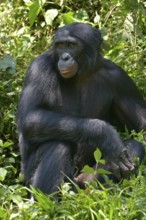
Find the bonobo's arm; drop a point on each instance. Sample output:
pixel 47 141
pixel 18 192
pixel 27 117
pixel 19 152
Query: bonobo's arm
pixel 38 123
pixel 42 125
pixel 129 106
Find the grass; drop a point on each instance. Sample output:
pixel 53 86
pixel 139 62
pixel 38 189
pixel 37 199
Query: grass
pixel 119 202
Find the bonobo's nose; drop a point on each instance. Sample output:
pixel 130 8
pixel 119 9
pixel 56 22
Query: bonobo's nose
pixel 65 56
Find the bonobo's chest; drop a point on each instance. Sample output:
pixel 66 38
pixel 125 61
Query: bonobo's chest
pixel 89 98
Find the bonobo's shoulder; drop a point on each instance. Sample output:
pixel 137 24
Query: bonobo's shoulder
pixel 112 70
pixel 40 66
pixel 110 66
pixel 43 60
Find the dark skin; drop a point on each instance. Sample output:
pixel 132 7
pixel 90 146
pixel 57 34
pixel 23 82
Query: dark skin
pixel 71 98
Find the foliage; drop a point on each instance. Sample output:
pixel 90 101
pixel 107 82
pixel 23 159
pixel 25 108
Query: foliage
pixel 26 28
pixel 127 201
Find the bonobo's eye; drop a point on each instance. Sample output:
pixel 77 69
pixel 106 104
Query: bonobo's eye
pixel 65 44
pixel 59 44
pixel 71 44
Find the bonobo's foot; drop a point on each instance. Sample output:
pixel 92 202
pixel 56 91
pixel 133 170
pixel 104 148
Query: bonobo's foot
pixel 135 149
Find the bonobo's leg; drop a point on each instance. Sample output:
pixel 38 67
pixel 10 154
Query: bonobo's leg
pixel 56 160
pixel 135 149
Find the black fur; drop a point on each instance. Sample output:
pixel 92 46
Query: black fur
pixel 71 98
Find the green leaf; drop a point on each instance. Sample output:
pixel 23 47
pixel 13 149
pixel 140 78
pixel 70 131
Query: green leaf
pixel 7 63
pixel 103 171
pixel 10 160
pixel 97 155
pixel 78 16
pixel 34 11
pixel 17 199
pixel 102 161
pixel 68 18
pixel 87 169
pixel 3 173
pixel 7 144
pixel 42 2
pixel 1 143
pixel 50 15
pixel 81 15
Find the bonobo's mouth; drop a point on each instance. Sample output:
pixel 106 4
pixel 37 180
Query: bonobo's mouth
pixel 68 72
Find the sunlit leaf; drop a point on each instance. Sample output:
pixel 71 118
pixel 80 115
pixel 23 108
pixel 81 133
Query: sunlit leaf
pixel 87 169
pixel 7 63
pixel 103 171
pixel 78 16
pixel 34 11
pixel 3 173
pixel 68 18
pixel 1 143
pixel 102 161
pixel 50 15
pixel 42 2
pixel 7 144
pixel 97 155
pixel 17 199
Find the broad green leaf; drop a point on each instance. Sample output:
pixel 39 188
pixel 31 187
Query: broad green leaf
pixel 1 143
pixel 34 11
pixel 87 169
pixel 68 18
pixel 102 161
pixel 50 15
pixel 7 143
pixel 97 155
pixel 10 160
pixel 17 199
pixel 3 173
pixel 102 171
pixel 7 63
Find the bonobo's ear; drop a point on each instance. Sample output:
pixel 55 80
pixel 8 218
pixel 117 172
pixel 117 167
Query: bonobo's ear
pixel 98 37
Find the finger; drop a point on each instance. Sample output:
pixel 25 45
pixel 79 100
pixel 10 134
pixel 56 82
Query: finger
pixel 126 160
pixel 125 172
pixel 129 165
pixel 116 171
pixel 129 157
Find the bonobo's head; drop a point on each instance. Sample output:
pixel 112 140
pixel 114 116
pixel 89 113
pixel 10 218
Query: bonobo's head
pixel 77 49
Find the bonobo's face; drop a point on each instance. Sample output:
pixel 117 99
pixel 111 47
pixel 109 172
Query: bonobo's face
pixel 77 48
pixel 67 49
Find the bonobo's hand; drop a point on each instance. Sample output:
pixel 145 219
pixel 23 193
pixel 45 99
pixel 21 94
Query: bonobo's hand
pixel 122 166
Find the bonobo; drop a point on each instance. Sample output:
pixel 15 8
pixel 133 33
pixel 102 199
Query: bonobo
pixel 71 99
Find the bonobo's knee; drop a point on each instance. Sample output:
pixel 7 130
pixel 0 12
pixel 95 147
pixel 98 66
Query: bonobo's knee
pixel 135 149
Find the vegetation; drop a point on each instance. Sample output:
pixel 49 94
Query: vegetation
pixel 26 30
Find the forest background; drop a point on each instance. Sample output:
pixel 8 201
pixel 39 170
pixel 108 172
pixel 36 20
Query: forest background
pixel 26 30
